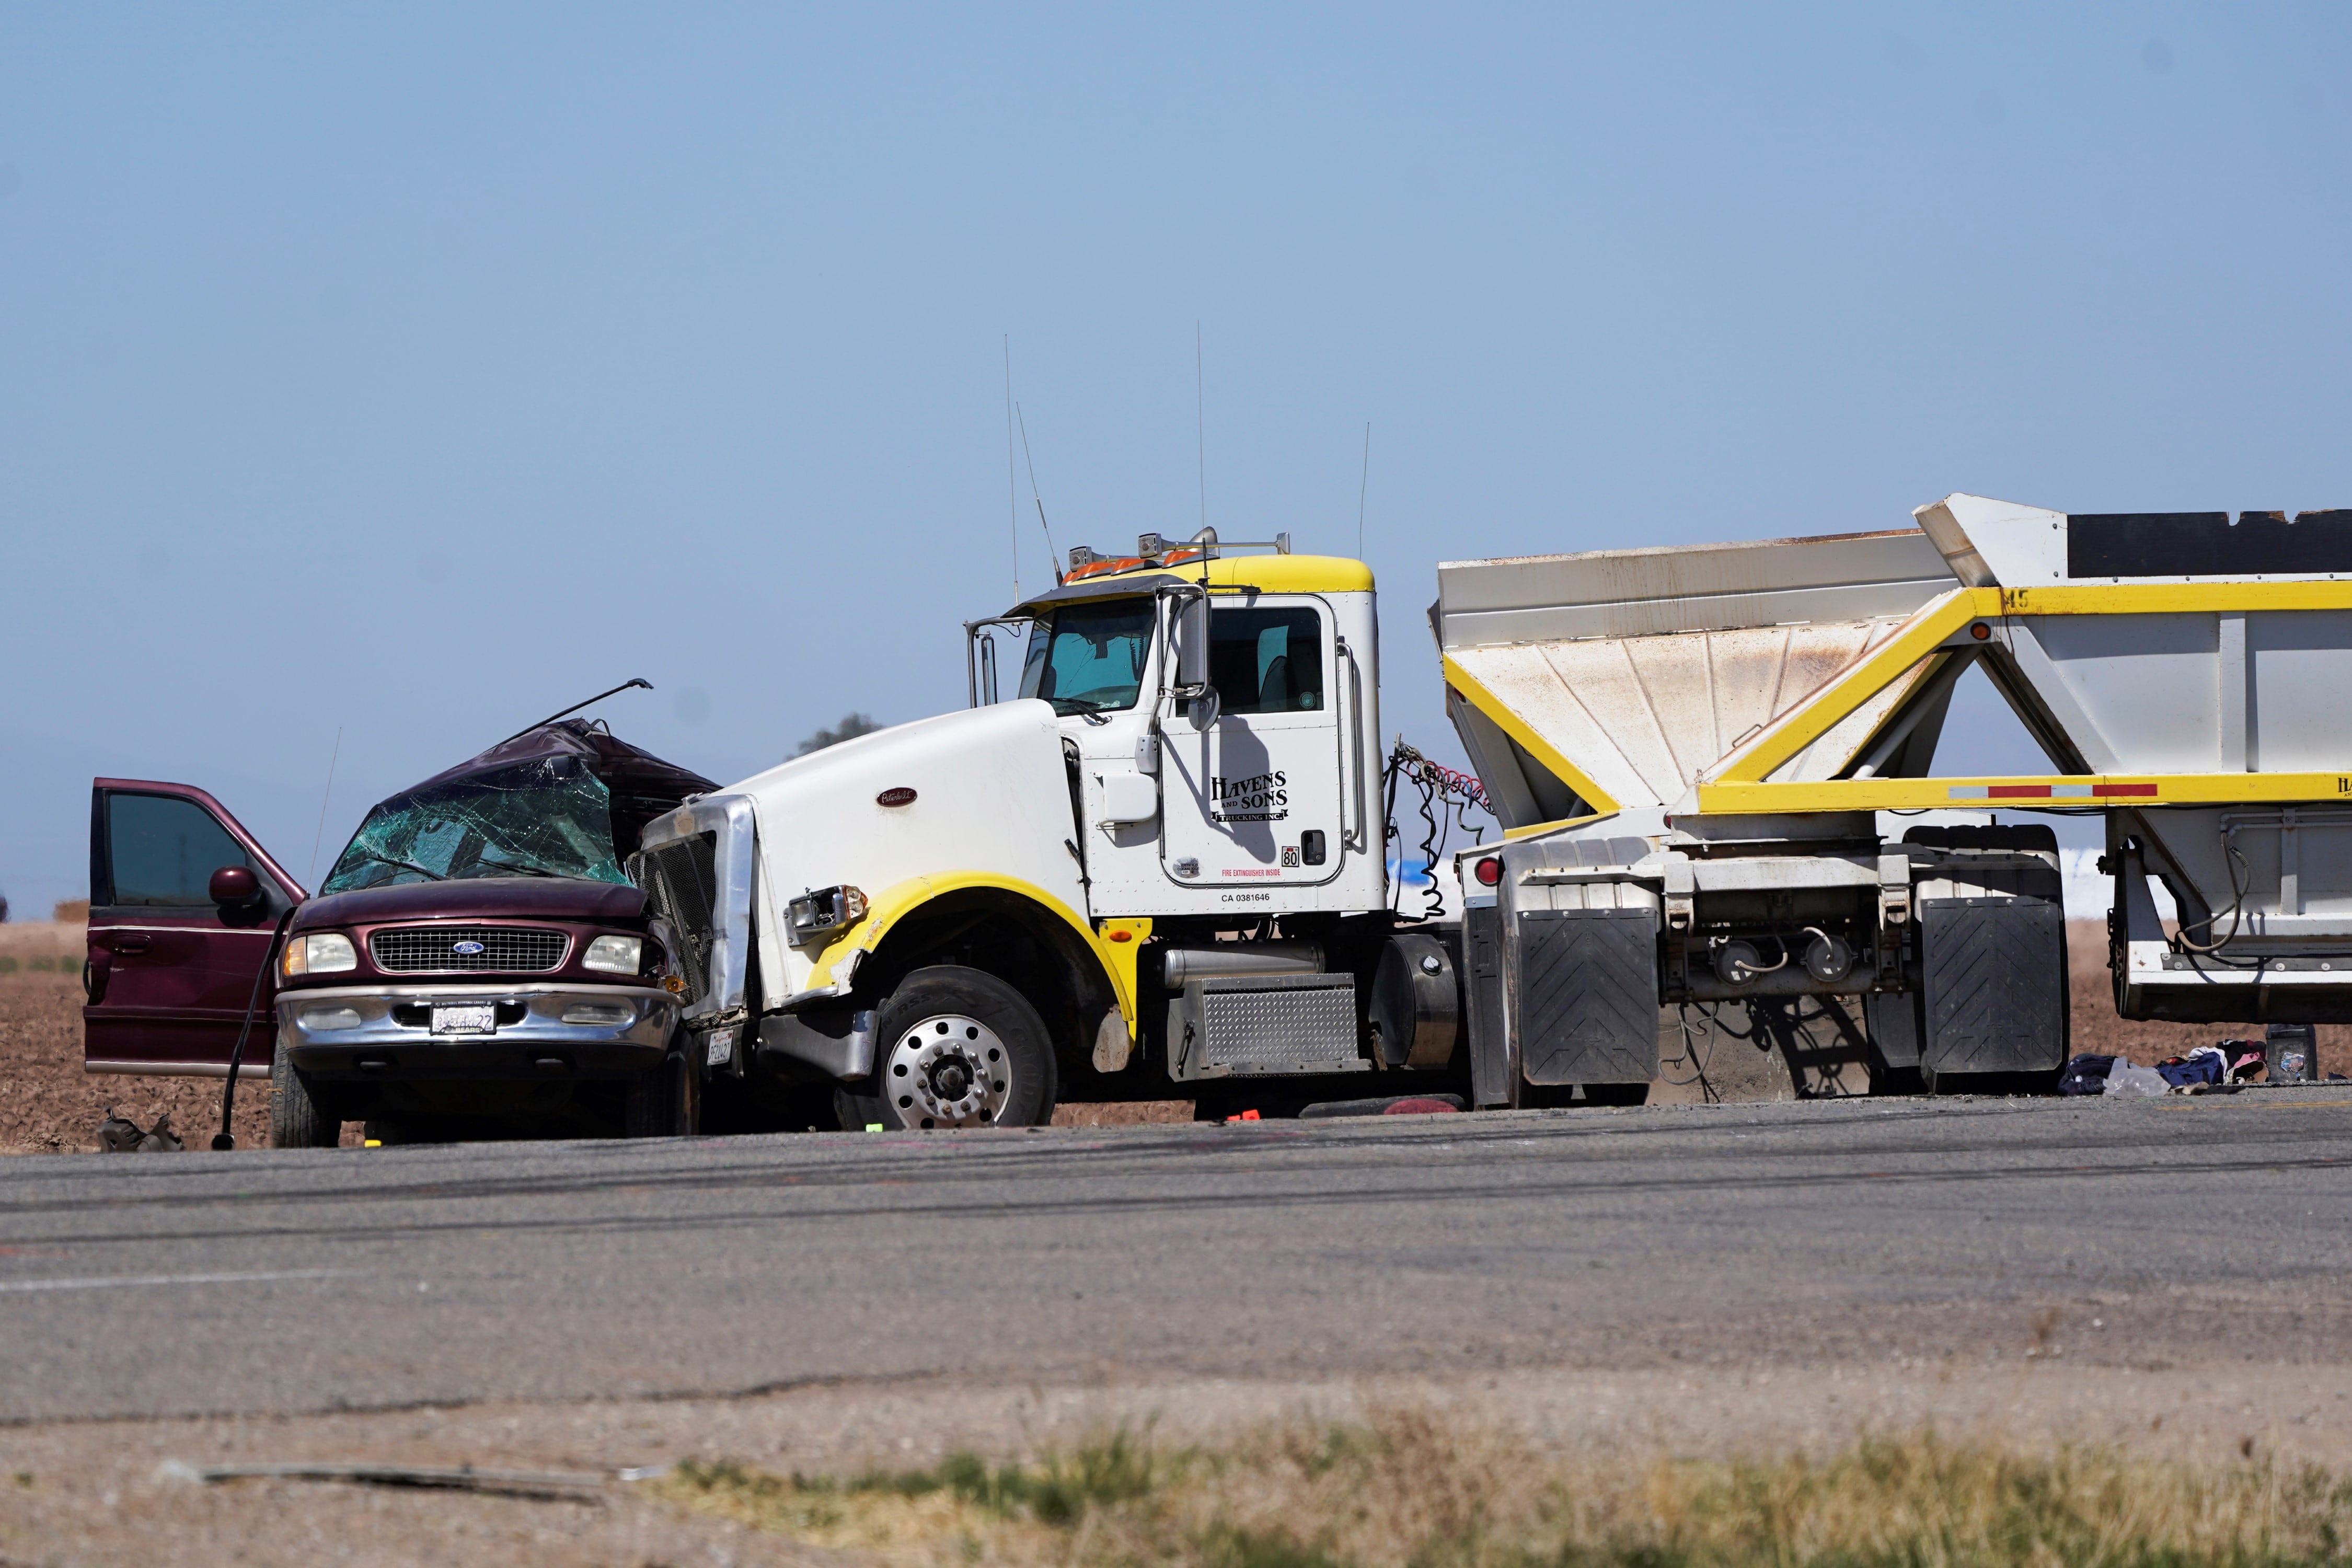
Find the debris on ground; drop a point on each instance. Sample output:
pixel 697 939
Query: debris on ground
pixel 2127 1079
pixel 1384 1105
pixel 120 1135
pixel 2203 1064
pixel 547 1486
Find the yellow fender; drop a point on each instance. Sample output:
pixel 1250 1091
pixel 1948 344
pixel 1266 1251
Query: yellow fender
pixel 1115 945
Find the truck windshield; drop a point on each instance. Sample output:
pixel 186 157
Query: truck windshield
pixel 543 818
pixel 1089 657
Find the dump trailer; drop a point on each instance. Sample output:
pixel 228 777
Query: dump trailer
pixel 1159 865
pixel 1700 755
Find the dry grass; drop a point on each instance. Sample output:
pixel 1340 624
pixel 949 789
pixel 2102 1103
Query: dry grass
pixel 1405 1491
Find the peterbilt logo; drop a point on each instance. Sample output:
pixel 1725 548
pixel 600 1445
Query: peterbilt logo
pixel 901 796
pixel 465 949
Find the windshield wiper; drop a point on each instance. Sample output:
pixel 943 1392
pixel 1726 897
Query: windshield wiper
pixel 404 865
pixel 524 866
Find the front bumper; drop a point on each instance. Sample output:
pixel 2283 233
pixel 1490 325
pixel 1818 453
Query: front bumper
pixel 618 1032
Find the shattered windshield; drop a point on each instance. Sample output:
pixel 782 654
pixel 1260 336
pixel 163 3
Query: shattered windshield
pixel 548 817
pixel 1089 657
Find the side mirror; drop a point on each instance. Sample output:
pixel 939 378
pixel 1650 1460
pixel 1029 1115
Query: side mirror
pixel 1192 645
pixel 1202 710
pixel 235 888
pixel 1201 703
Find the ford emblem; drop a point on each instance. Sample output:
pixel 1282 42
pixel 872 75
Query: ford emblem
pixel 468 949
pixel 901 795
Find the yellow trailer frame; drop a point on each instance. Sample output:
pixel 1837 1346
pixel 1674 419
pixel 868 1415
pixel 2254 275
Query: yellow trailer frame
pixel 1743 784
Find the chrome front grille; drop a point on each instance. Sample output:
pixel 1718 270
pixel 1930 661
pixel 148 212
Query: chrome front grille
pixel 505 950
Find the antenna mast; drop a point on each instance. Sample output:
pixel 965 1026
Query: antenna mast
pixel 1200 421
pixel 1053 560
pixel 1011 492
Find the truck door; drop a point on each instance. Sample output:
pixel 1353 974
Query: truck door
pixel 1255 799
pixel 169 970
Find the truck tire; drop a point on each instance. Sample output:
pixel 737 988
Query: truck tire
pixel 665 1102
pixel 955 1047
pixel 295 1120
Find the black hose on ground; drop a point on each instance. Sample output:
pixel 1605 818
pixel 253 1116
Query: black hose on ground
pixel 225 1139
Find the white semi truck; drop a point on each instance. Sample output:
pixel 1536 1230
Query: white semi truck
pixel 1161 867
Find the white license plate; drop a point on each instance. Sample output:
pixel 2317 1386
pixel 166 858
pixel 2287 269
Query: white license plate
pixel 467 1020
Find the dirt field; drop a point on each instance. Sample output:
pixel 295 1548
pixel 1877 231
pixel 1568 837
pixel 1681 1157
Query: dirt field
pixel 49 1105
pixel 2097 1029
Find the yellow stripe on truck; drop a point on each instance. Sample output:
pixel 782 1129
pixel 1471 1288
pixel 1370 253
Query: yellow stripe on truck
pixel 2026 794
pixel 885 909
pixel 1601 801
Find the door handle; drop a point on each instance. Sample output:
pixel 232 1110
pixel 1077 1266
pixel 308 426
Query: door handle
pixel 128 942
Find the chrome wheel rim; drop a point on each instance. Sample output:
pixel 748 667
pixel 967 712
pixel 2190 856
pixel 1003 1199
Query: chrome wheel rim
pixel 948 1070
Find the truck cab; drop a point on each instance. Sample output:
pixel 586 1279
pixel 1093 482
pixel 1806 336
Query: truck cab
pixel 1154 868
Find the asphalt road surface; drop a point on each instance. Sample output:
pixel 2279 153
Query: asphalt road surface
pixel 1751 1233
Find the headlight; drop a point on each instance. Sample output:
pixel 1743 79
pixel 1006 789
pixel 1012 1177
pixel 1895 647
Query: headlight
pixel 615 954
pixel 320 952
pixel 819 913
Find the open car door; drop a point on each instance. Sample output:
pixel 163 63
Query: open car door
pixel 170 972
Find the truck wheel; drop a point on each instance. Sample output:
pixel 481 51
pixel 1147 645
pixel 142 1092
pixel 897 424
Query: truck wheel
pixel 296 1121
pixel 955 1047
pixel 665 1102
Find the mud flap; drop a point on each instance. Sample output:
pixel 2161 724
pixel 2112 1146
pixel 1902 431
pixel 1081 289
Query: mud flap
pixel 1586 1002
pixel 1995 980
pixel 1482 987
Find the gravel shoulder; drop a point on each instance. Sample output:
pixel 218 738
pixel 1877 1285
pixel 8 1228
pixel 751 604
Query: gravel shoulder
pixel 106 1492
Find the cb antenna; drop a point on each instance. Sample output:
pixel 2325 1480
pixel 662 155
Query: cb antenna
pixel 1051 558
pixel 1201 420
pixel 1364 489
pixel 575 708
pixel 1012 494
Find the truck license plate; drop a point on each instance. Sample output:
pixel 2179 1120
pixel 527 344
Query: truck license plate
pixel 466 1020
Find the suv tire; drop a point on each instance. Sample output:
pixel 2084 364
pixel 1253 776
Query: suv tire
pixel 665 1102
pixel 296 1119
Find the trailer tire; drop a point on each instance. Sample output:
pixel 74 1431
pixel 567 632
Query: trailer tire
pixel 1617 1093
pixel 296 1119
pixel 941 1042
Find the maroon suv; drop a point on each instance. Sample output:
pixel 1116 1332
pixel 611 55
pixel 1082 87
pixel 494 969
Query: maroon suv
pixel 477 960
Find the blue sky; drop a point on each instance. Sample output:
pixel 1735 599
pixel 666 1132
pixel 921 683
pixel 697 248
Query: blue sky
pixel 415 371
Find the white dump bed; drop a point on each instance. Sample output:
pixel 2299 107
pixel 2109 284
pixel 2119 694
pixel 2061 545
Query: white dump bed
pixel 1616 679
pixel 2168 642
